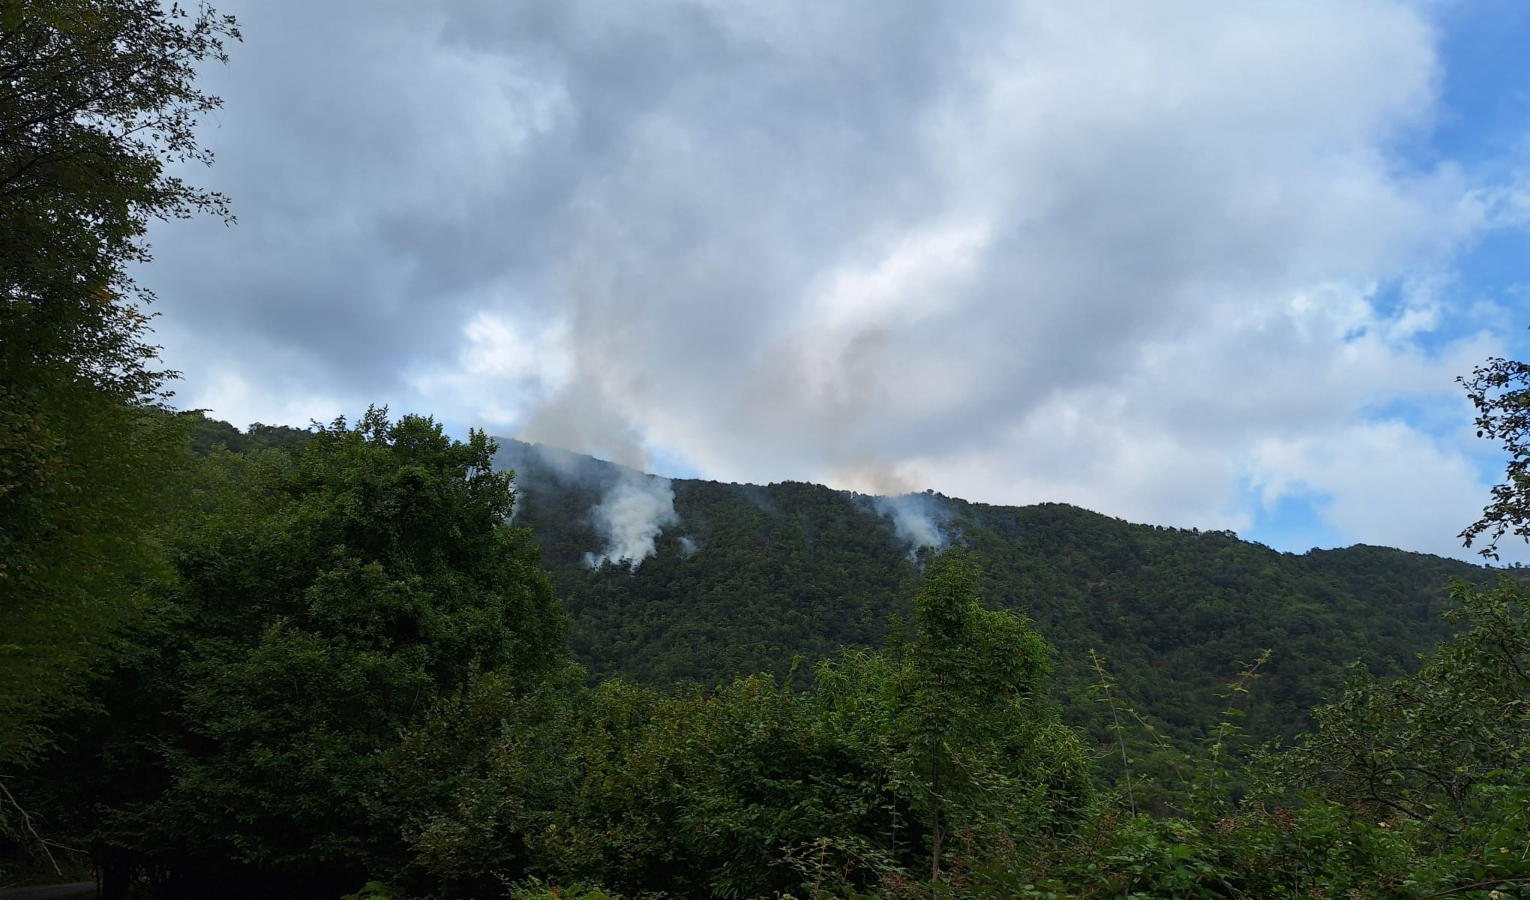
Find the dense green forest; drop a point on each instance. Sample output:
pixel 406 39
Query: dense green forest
pixel 750 578
pixel 354 672
pixel 330 663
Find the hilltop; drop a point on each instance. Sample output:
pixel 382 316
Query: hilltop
pixel 746 578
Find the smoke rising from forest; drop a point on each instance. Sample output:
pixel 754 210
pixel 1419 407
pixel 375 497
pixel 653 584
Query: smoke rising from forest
pixel 630 517
pixel 917 519
pixel 633 509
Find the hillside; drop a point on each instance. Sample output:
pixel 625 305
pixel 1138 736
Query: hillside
pixel 745 578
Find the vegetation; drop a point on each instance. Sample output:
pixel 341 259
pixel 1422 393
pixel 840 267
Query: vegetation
pixel 353 678
pixel 208 435
pixel 1500 391
pixel 754 788
pixel 95 99
pixel 773 573
pixel 320 663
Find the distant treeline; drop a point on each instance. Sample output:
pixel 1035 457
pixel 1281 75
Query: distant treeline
pixel 209 434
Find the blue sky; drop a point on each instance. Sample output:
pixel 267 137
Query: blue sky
pixel 1482 123
pixel 1200 264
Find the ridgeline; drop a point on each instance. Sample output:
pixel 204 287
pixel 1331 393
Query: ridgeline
pixel 755 577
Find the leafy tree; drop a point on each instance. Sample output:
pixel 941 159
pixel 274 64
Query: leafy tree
pixel 1421 745
pixel 752 789
pixel 620 786
pixel 325 599
pixel 73 548
pixel 476 789
pixel 1410 788
pixel 96 97
pixel 1500 391
pixel 968 688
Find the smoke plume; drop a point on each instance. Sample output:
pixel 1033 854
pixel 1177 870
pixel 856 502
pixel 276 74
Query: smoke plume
pixel 630 516
pixel 917 519
pixel 633 507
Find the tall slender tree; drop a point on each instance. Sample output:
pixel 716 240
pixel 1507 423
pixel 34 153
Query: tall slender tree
pixel 97 99
pixel 973 717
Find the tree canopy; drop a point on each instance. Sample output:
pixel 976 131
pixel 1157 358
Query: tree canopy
pixel 323 599
pixel 1500 391
pixel 97 99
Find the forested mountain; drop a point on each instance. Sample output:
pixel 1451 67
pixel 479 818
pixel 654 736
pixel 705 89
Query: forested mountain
pixel 321 664
pixel 745 578
pixel 208 435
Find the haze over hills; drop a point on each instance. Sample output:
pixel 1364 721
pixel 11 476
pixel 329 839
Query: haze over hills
pixel 696 581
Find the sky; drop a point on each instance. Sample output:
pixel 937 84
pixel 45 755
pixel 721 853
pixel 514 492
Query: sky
pixel 1190 262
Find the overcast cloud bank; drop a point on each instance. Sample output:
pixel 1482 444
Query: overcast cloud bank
pixel 1170 262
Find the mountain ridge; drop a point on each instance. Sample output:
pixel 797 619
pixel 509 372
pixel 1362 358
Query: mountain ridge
pixel 749 578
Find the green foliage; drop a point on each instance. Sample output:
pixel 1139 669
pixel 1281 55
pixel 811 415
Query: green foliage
pixel 1319 851
pixel 1500 392
pixel 325 600
pixel 96 97
pixel 208 435
pixel 623 787
pixel 473 789
pixel 1421 745
pixel 536 890
pixel 74 550
pixel 1411 788
pixel 789 570
pixel 372 890
pixel 754 789
pixel 794 570
pixel 356 671
pixel 966 695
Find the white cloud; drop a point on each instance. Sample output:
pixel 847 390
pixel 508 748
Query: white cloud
pixel 1384 482
pixel 228 395
pixel 503 372
pixel 1128 255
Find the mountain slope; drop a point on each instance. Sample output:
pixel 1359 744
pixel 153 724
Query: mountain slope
pixel 744 578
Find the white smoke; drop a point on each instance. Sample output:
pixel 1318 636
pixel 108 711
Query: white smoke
pixel 916 518
pixel 630 516
pixel 688 546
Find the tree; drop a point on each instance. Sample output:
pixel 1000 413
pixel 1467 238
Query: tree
pixel 96 98
pixel 752 789
pixel 325 598
pixel 1500 391
pixel 1422 745
pixel 970 684
pixel 961 717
